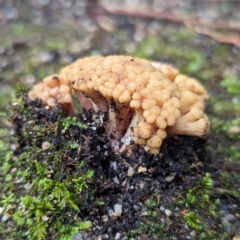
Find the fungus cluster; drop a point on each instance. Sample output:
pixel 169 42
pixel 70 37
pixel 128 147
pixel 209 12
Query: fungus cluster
pixel 145 101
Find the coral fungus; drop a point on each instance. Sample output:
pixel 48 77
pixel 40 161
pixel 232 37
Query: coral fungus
pixel 144 101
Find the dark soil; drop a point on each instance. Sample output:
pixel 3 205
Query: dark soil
pixel 179 166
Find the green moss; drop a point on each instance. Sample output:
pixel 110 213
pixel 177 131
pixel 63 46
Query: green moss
pixel 37 193
pixel 72 121
pixel 200 194
pixel 229 184
pixel 46 200
pixel 222 50
pixel 155 229
pixel 233 152
pixel 145 47
pixel 54 45
pixel 19 29
pixel 182 36
pixel 173 50
pixel 193 220
pixel 232 85
pixel 200 206
pixel 212 235
pixel 202 199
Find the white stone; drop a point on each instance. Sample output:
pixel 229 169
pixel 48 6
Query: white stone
pixel 117 236
pixel 130 172
pixel 193 233
pixel 117 210
pixel 144 214
pixel 170 177
pixel 104 218
pixel 110 212
pixel 45 218
pixel 142 169
pixel 1 210
pixel 5 217
pixel 168 212
pixel 162 208
pixel 46 145
pixel 115 179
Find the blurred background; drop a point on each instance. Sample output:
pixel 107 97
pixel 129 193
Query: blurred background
pixel 40 36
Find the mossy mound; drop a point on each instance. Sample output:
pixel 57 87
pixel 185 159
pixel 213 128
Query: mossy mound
pixel 63 178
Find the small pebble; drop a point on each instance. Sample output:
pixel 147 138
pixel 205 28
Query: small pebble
pixel 124 182
pixel 144 214
pixel 131 187
pixel 104 218
pixel 136 207
pixel 186 226
pixel 46 145
pixel 168 212
pixel 146 148
pixel 45 57
pixel 117 236
pixel 162 208
pixel 115 179
pixel 27 186
pixel 13 170
pixel 130 172
pixel 142 169
pixel 193 233
pixel 110 212
pixel 30 79
pixel 142 184
pixel 82 236
pixel 13 147
pixel 45 218
pixel 1 210
pixel 5 217
pixel 170 177
pixel 229 218
pixel 117 210
pixel 105 236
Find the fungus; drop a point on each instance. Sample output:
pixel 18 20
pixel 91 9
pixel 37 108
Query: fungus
pixel 54 90
pixel 145 102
